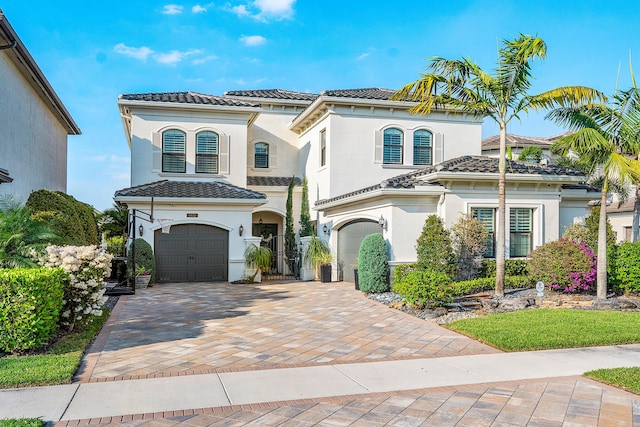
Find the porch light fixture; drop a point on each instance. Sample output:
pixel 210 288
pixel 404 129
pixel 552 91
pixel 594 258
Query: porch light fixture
pixel 240 230
pixel 140 229
pixel 260 221
pixel 325 229
pixel 383 223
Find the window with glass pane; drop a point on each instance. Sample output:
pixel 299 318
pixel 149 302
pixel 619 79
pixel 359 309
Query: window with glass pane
pixel 261 159
pixel 207 152
pixel 487 216
pixel 323 147
pixel 422 145
pixel 392 146
pixel 521 230
pixel 173 151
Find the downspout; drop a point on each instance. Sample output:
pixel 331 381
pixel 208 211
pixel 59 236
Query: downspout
pixel 9 46
pixel 440 203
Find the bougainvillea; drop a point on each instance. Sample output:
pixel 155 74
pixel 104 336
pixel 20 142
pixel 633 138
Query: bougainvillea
pixel 87 266
pixel 564 265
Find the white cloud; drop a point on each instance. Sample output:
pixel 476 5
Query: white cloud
pixel 204 59
pixel 241 10
pixel 262 10
pixel 175 56
pixel 361 57
pixel 253 40
pixel 142 52
pixel 198 9
pixel 172 9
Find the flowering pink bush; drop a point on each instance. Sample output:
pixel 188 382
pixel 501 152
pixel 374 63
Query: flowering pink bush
pixel 564 265
pixel 87 266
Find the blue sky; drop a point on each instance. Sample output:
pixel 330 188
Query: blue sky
pixel 93 51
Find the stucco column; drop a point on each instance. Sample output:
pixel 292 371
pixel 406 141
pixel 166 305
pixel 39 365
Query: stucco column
pixel 307 272
pixel 248 242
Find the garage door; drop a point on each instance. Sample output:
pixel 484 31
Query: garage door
pixel 192 253
pixel 350 236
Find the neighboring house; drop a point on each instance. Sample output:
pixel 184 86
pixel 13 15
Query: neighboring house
pixel 621 218
pixel 212 166
pixel 34 124
pixel 517 143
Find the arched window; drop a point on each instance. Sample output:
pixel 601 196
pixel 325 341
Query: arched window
pixel 422 147
pixel 261 155
pixel 173 151
pixel 392 142
pixel 207 152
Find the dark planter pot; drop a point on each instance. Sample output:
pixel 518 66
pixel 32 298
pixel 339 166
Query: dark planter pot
pixel 325 273
pixel 355 279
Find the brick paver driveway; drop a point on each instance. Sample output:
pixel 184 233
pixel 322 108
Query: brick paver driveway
pixel 191 328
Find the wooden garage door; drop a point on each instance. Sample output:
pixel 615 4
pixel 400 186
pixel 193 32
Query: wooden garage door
pixel 192 253
pixel 350 236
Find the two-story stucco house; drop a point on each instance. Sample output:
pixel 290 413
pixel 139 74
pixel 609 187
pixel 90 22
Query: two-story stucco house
pixel 34 124
pixel 216 168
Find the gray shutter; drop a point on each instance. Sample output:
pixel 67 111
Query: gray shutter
pixel 157 151
pixel 379 147
pixel 438 149
pixel 224 155
pixel 273 156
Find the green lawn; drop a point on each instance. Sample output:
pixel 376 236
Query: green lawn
pixel 542 329
pixel 625 378
pixel 56 366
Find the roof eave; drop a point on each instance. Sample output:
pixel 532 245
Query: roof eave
pixel 185 105
pixel 381 193
pixel 189 200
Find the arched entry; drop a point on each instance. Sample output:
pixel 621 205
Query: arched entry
pixel 192 253
pixel 350 236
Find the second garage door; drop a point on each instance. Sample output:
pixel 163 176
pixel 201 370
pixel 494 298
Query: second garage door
pixel 350 236
pixel 192 253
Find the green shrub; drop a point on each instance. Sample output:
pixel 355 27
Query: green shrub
pixel 422 288
pixel 627 268
pixel 564 265
pixel 373 264
pixel 30 307
pixel 512 267
pixel 22 422
pixel 72 220
pixel 469 241
pixel 489 283
pixel 115 245
pixel 401 270
pixel 144 258
pixel 434 249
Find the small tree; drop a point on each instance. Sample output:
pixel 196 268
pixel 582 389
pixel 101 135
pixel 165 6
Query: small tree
pixel 318 253
pixel 434 249
pixel 373 264
pixel 258 257
pixel 532 153
pixel 289 233
pixel 306 229
pixel 144 258
pixel 469 240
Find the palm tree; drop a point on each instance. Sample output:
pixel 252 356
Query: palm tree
pixel 115 221
pixel 463 86
pixel 606 139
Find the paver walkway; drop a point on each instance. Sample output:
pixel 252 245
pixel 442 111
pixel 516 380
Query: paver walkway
pixel 217 327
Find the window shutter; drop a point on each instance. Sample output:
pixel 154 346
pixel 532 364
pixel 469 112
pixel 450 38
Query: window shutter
pixel 224 155
pixel 273 156
pixel 438 149
pixel 156 142
pixel 377 158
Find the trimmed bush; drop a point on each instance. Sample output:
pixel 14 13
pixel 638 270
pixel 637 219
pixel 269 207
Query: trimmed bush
pixel 144 258
pixel 564 265
pixel 434 249
pixel 422 288
pixel 30 307
pixel 512 267
pixel 627 268
pixel 489 283
pixel 373 264
pixel 401 270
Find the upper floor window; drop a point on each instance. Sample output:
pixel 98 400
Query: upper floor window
pixel 521 231
pixel 323 147
pixel 173 151
pixel 261 155
pixel 422 147
pixel 207 152
pixel 393 144
pixel 487 216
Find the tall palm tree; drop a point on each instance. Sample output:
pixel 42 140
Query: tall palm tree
pixel 606 138
pixel 460 84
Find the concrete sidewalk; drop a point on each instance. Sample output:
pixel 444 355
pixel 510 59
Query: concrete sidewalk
pixel 159 395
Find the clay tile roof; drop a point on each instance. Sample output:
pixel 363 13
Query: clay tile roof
pixel 365 93
pixel 188 189
pixel 186 98
pixel 4 176
pixel 463 164
pixel 518 141
pixel 272 181
pixel 627 206
pixel 273 94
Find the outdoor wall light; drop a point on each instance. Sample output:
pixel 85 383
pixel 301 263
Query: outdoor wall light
pixel 240 230
pixel 383 223
pixel 325 229
pixel 140 229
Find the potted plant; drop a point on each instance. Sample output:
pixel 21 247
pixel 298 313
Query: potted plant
pixel 143 276
pixel 319 256
pixel 258 257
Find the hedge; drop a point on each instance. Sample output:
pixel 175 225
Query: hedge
pixel 30 307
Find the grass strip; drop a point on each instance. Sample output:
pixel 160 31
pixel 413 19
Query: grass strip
pixel 56 366
pixel 22 422
pixel 542 329
pixel 625 378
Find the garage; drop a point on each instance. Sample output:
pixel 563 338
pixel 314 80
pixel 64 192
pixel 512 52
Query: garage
pixel 350 236
pixel 192 253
